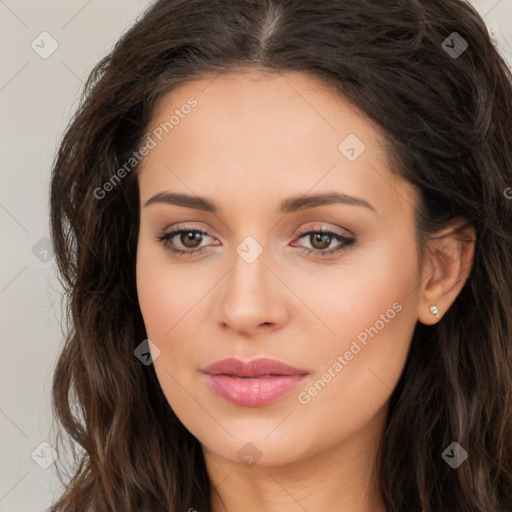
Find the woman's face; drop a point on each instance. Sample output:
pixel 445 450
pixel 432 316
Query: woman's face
pixel 259 148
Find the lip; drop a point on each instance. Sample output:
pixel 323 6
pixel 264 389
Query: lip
pixel 256 368
pixel 254 383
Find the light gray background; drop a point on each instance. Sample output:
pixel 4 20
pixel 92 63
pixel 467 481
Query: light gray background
pixel 37 98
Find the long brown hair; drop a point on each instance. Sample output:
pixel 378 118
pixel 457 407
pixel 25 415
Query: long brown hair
pixel 444 102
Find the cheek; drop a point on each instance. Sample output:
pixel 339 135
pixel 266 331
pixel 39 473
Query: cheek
pixel 155 297
pixel 378 279
pixel 372 312
pixel 170 298
pixel 166 300
pixel 165 293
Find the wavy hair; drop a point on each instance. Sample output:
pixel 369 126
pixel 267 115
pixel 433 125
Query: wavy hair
pixel 447 124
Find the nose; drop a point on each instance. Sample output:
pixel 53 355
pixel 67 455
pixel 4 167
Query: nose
pixel 253 298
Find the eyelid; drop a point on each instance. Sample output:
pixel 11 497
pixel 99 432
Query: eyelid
pixel 176 229
pixel 322 227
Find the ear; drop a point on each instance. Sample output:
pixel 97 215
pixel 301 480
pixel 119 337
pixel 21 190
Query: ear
pixel 448 262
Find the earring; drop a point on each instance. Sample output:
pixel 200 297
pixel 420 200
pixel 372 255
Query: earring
pixel 434 310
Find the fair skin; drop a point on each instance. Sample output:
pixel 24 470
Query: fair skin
pixel 252 141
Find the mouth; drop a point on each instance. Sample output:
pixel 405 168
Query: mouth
pixel 254 384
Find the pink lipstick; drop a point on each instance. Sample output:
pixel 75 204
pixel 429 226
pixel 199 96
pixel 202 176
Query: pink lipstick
pixel 253 384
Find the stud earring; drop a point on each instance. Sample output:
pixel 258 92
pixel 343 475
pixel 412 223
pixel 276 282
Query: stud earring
pixel 434 310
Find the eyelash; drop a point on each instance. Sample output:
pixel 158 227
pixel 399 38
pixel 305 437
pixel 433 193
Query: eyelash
pixel 164 237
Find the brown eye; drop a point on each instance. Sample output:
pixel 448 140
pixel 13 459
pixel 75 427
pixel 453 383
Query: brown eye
pixel 184 241
pixel 320 241
pixel 191 239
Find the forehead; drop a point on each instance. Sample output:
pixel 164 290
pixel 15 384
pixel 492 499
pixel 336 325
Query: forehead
pixel 303 104
pixel 250 129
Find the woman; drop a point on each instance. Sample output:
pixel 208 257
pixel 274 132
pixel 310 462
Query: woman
pixel 284 230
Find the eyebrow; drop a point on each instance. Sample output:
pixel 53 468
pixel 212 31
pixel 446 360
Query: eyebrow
pixel 289 205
